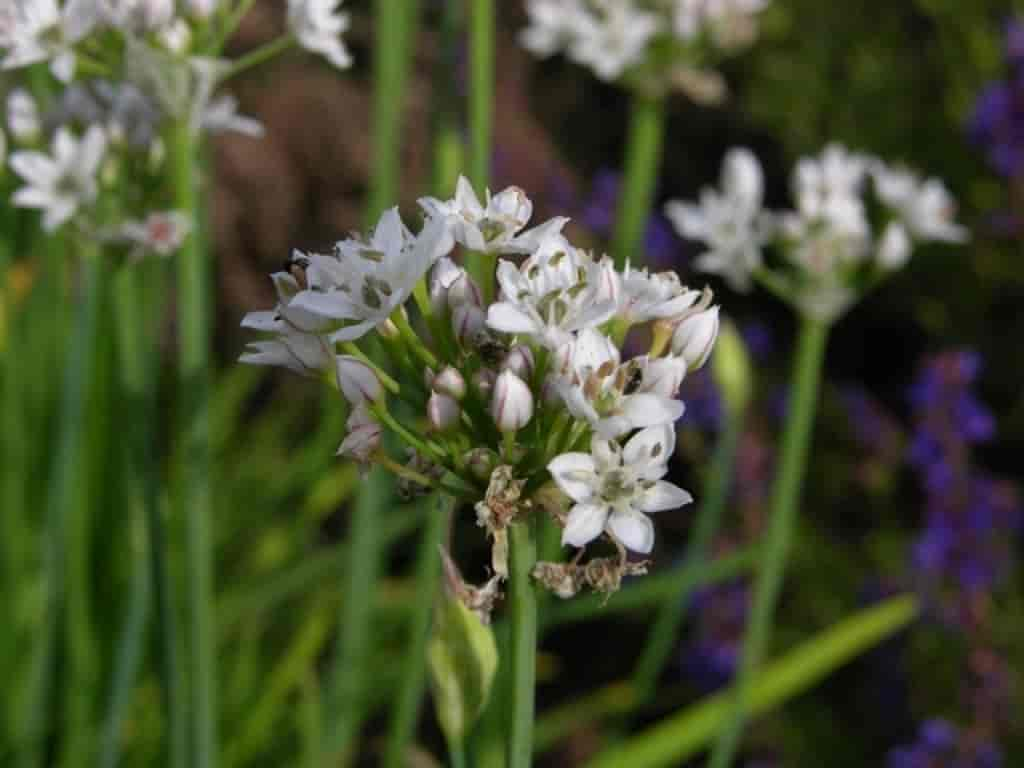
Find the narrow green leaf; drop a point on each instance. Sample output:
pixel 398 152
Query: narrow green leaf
pixel 681 736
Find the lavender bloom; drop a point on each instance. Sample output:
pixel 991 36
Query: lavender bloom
pixel 997 125
pixel 941 745
pixel 710 658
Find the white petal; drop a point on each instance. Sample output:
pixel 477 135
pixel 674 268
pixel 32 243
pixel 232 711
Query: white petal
pixel 584 524
pixel 663 495
pixel 35 168
pixel 358 381
pixel 646 409
pixel 635 531
pixel 575 474
pixel 262 321
pixel 508 318
pixel 332 305
pixel 654 444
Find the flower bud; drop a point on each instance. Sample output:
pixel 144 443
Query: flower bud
pixel 481 462
pixel 695 337
pixel 358 381
pixel 511 402
pixel 483 382
pixel 22 116
pixel 663 376
pixel 450 382
pixel 443 412
pixel 388 330
pixel 467 321
pixel 364 435
pixel 550 393
pixel 464 290
pixel 445 273
pixel 519 360
pixel 894 249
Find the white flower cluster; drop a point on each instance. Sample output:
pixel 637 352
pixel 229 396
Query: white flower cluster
pixel 53 31
pixel 115 102
pixel 856 218
pixel 534 382
pixel 616 37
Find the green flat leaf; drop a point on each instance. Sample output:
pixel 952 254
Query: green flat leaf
pixel 681 736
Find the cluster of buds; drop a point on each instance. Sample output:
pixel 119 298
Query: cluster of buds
pixel 125 73
pixel 856 219
pixel 495 402
pixel 649 44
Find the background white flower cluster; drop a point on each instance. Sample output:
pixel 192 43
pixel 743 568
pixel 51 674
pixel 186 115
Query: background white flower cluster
pixel 614 37
pixel 855 219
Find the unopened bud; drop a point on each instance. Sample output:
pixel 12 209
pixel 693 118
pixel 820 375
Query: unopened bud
pixel 388 330
pixel 467 321
pixel 519 360
pixel 364 435
pixel 464 290
pixel 550 394
pixel 695 337
pixel 445 273
pixel 443 412
pixel 511 402
pixel 663 376
pixel 450 382
pixel 481 462
pixel 483 382
pixel 358 381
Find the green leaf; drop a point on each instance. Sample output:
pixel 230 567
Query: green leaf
pixel 463 660
pixel 680 737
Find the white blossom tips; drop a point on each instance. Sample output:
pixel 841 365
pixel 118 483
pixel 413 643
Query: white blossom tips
pixel 318 26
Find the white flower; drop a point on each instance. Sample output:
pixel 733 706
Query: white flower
pixel 553 25
pixel 364 282
pixel 22 115
pixel 828 189
pixel 614 486
pixel 511 402
pixel 613 39
pixel 161 232
pixel 644 296
pixel 613 397
pixel 925 207
pixel 201 9
pixel 494 227
pixel 304 353
pixel 138 16
pixel 318 26
pixel 61 183
pixel 694 337
pixel 42 30
pixel 733 23
pixel 730 222
pixel 554 293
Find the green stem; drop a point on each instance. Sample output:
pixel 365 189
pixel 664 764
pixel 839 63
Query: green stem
pixel 395 25
pixel 643 158
pixel 778 539
pixel 448 149
pixel 194 494
pixel 414 670
pixel 65 496
pixel 481 121
pixel 522 603
pixel 261 55
pixel 662 637
pixel 346 700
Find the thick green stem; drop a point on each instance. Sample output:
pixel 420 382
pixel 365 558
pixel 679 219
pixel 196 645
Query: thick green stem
pixel 193 492
pixel 522 601
pixel 778 539
pixel 481 121
pixel 663 634
pixel 63 504
pixel 346 700
pixel 414 669
pixel 643 158
pixel 395 41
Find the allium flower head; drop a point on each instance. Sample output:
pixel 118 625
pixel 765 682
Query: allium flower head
pixel 62 182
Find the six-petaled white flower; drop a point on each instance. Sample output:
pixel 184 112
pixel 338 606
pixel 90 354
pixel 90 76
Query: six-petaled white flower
pixel 556 292
pixel 925 207
pixel 318 26
pixel 495 226
pixel 45 30
pixel 62 182
pixel 614 487
pixel 731 222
